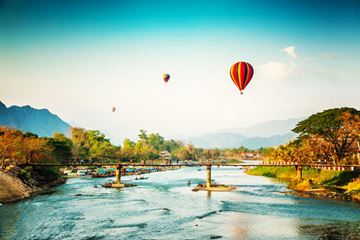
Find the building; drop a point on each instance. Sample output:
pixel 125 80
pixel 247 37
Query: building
pixel 165 155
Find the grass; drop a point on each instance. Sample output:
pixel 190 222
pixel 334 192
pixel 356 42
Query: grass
pixel 312 178
pixel 274 172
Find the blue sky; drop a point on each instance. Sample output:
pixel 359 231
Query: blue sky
pixel 80 58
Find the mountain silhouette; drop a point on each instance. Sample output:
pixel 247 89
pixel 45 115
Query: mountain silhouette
pixel 39 121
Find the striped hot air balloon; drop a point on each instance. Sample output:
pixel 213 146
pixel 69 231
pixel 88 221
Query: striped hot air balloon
pixel 166 77
pixel 241 74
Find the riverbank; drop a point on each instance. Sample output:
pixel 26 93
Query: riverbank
pixel 317 183
pixel 18 183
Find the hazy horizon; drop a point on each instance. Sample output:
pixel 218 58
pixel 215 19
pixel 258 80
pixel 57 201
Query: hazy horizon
pixel 79 59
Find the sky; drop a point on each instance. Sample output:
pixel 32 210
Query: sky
pixel 79 58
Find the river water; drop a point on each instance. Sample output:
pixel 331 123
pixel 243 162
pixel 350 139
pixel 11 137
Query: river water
pixel 164 207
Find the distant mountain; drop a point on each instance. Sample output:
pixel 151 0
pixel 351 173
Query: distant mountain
pixel 266 134
pixel 266 129
pixel 217 140
pixel 233 140
pixel 38 121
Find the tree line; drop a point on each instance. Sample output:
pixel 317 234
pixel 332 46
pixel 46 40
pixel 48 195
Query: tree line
pixel 330 137
pixel 93 146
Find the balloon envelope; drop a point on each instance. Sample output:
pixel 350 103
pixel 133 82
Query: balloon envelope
pixel 113 109
pixel 166 77
pixel 241 74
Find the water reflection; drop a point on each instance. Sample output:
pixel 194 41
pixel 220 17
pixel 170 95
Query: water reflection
pixel 8 224
pixel 164 207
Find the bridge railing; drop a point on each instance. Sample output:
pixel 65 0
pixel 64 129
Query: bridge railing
pixel 318 166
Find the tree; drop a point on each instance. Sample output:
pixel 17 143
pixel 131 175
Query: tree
pixel 143 135
pixel 36 150
pixel 11 142
pixel 23 147
pixel 127 149
pixel 156 141
pixel 62 146
pixel 172 145
pixel 92 144
pixel 141 151
pixel 79 137
pixel 338 127
pixel 182 153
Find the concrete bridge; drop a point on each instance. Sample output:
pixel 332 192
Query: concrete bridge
pixel 208 166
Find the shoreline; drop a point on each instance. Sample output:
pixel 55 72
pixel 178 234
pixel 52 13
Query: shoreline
pixel 307 187
pixel 329 193
pixel 13 189
pixel 324 194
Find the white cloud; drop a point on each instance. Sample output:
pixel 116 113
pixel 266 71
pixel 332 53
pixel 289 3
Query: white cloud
pixel 290 51
pixel 276 70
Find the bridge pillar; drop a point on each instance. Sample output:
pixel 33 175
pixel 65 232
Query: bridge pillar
pixel 118 183
pixel 298 172
pixel 208 176
pixel 118 175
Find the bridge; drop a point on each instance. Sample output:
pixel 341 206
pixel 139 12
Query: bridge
pixel 208 166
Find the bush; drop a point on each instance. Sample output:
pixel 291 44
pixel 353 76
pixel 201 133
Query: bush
pixel 48 173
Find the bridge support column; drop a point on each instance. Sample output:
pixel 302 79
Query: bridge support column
pixel 118 175
pixel 208 176
pixel 298 172
pixel 118 183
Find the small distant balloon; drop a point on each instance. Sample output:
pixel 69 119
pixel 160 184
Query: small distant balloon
pixel 166 77
pixel 113 109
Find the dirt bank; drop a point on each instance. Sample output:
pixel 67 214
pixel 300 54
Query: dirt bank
pixel 17 184
pixel 13 189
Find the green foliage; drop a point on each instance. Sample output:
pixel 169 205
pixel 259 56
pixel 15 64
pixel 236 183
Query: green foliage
pixel 325 123
pixel 62 147
pixel 342 178
pixel 316 177
pixel 92 144
pixel 171 145
pixel 79 137
pixel 181 153
pixel 338 127
pixel 156 141
pixel 328 137
pixel 48 173
pixel 278 172
pixel 143 135
pixel 25 173
pixel 127 149
pixel 30 135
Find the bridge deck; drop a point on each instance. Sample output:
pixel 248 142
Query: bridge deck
pixel 184 165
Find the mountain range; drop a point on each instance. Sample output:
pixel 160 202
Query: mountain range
pixel 265 134
pixel 28 119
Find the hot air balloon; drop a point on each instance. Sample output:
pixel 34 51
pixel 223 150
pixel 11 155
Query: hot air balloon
pixel 113 109
pixel 166 77
pixel 241 74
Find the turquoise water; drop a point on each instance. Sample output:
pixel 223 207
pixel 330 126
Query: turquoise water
pixel 164 207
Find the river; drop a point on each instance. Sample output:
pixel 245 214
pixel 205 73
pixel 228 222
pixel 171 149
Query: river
pixel 164 207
